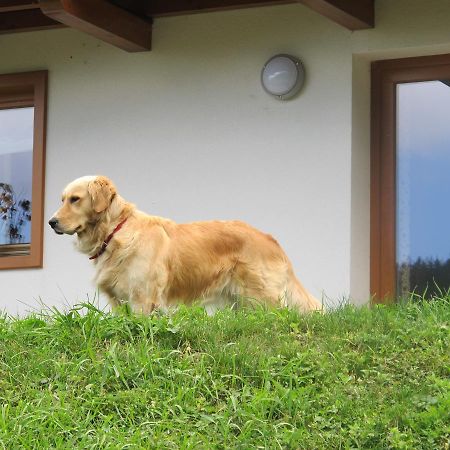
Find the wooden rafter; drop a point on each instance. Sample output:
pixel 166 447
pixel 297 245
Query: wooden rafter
pixel 127 23
pixel 25 20
pixel 352 14
pixel 17 5
pixel 102 20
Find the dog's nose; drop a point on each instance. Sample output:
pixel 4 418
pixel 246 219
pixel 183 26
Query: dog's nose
pixel 53 222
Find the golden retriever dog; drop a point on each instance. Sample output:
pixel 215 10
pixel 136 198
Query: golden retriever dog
pixel 153 262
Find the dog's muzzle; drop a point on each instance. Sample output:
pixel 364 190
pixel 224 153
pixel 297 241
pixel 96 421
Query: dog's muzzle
pixel 54 224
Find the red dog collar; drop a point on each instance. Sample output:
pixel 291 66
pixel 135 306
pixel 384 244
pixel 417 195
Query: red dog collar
pixel 106 241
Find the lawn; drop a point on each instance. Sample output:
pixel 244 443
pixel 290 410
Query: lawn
pixel 351 378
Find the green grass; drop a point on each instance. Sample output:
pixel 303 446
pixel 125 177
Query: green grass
pixel 353 378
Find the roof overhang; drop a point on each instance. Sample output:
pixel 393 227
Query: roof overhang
pixel 127 24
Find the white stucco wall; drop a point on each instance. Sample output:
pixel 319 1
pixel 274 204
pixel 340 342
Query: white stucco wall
pixel 187 132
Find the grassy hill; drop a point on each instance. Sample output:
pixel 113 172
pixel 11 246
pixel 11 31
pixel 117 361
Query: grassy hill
pixel 352 378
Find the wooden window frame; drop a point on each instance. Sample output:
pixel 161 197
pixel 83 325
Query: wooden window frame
pixel 18 90
pixel 385 77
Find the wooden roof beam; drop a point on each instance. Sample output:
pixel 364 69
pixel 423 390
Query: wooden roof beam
pixel 352 14
pixel 17 5
pixel 26 20
pixel 102 20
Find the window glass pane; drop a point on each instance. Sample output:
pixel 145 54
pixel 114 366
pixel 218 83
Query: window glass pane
pixel 423 187
pixel 16 165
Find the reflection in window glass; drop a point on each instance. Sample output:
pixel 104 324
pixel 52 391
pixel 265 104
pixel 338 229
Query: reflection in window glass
pixel 16 164
pixel 423 187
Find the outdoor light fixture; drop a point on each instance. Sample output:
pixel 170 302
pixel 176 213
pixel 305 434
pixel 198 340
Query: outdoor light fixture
pixel 282 76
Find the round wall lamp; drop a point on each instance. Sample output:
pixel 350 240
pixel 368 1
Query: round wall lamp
pixel 282 76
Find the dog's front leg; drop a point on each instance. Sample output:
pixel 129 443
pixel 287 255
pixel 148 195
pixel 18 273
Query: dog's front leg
pixel 145 302
pixel 144 308
pixel 113 301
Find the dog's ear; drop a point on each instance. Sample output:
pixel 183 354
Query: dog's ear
pixel 102 191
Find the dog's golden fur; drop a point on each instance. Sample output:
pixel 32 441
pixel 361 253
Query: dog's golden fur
pixel 152 261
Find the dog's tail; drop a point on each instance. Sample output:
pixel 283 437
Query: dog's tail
pixel 299 298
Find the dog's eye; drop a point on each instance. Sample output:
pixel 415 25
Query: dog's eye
pixel 74 199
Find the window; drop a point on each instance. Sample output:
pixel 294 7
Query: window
pixel 410 182
pixel 22 165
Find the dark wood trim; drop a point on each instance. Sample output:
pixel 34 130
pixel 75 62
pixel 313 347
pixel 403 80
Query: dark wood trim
pixel 102 20
pixel 385 77
pixel 375 180
pixel 26 20
pixel 351 14
pixel 382 223
pixel 19 103
pixel 16 95
pixel 37 82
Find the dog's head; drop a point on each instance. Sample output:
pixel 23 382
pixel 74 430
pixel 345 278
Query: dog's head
pixel 84 200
